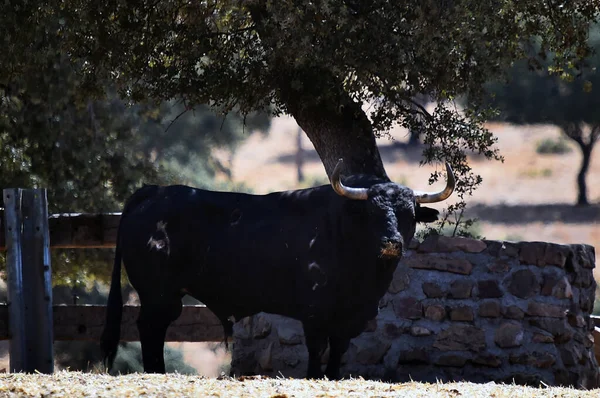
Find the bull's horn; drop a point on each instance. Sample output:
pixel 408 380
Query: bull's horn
pixel 433 197
pixel 341 189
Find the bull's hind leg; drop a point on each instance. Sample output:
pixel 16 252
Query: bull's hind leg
pixel 153 322
pixel 337 347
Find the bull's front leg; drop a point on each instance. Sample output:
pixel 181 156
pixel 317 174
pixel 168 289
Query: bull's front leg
pixel 316 343
pixel 337 347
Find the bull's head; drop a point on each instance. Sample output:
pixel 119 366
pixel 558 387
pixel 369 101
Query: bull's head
pixel 393 210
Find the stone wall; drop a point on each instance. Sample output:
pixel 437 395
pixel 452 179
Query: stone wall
pixel 459 309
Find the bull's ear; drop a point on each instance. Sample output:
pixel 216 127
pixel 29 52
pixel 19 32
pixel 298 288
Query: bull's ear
pixel 426 214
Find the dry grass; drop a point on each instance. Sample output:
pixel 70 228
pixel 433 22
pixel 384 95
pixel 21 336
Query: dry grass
pixel 74 384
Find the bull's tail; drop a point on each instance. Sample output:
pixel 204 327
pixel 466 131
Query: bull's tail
pixel 111 334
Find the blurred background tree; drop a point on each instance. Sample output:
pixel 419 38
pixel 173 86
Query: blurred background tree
pixel 550 95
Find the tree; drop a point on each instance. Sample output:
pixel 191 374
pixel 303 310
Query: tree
pixel 319 61
pixel 548 96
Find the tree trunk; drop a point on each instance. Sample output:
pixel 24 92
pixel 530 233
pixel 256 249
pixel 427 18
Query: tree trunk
pixel 576 132
pixel 582 199
pixel 336 125
pixel 299 156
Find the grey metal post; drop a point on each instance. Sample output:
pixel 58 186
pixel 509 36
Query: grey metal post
pixel 37 282
pixel 16 308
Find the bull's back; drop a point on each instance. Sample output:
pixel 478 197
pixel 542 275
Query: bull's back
pixel 235 250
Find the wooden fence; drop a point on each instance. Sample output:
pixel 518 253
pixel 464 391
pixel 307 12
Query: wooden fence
pixel 29 320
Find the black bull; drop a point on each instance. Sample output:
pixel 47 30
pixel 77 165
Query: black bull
pixel 323 255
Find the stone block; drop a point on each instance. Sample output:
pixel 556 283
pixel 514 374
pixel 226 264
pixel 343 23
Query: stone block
pixel 489 289
pixel 414 356
pixel 489 309
pixel 461 314
pixel 435 312
pixel 440 262
pixel 420 331
pixel 448 244
pixel 460 337
pixel 461 289
pixel 289 335
pixel 370 351
pixel 532 253
pixel 433 290
pixel 559 328
pixel 509 334
pixel 535 308
pixel 407 307
pixel 400 281
pixel 502 249
pixel 489 360
pixel 499 266
pixel 514 312
pixel 261 326
pixel 537 359
pixel 456 360
pixel 523 284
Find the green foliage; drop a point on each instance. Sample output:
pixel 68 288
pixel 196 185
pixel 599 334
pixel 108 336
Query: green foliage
pixel 548 146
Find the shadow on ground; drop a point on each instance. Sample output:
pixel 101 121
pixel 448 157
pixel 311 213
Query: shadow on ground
pixel 523 214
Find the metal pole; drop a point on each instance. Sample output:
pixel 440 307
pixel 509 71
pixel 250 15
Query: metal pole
pixel 16 308
pixel 37 282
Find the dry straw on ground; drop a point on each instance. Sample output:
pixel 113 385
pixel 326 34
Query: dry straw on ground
pixel 73 384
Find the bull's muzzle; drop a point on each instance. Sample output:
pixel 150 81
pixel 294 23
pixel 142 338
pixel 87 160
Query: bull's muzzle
pixel 391 249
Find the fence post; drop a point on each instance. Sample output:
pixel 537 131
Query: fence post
pixel 16 307
pixel 37 281
pixel 29 280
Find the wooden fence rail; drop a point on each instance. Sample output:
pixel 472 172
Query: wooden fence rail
pixel 85 323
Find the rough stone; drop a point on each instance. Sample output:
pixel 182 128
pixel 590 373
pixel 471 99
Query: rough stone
pixel 433 290
pixel 460 337
pixel 393 330
pixel 570 355
pixel 371 325
pixel 490 360
pixel 414 244
pixel 265 357
pixel 556 255
pixel 502 249
pixel 400 281
pixel 532 253
pixel 461 289
pixel 523 284
pixel 550 280
pixel 370 351
pixel 435 312
pixel 461 314
pixel 407 307
pixel 419 331
pixel 448 244
pixel 514 312
pixel 289 335
pixel 489 309
pixel 537 359
pixel 535 308
pixel 489 289
pixel 509 334
pixel 499 266
pixel 261 326
pixel 542 337
pixel 559 328
pixel 455 360
pixel 242 329
pixel 444 263
pixel 576 320
pixel 563 289
pixel 414 356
